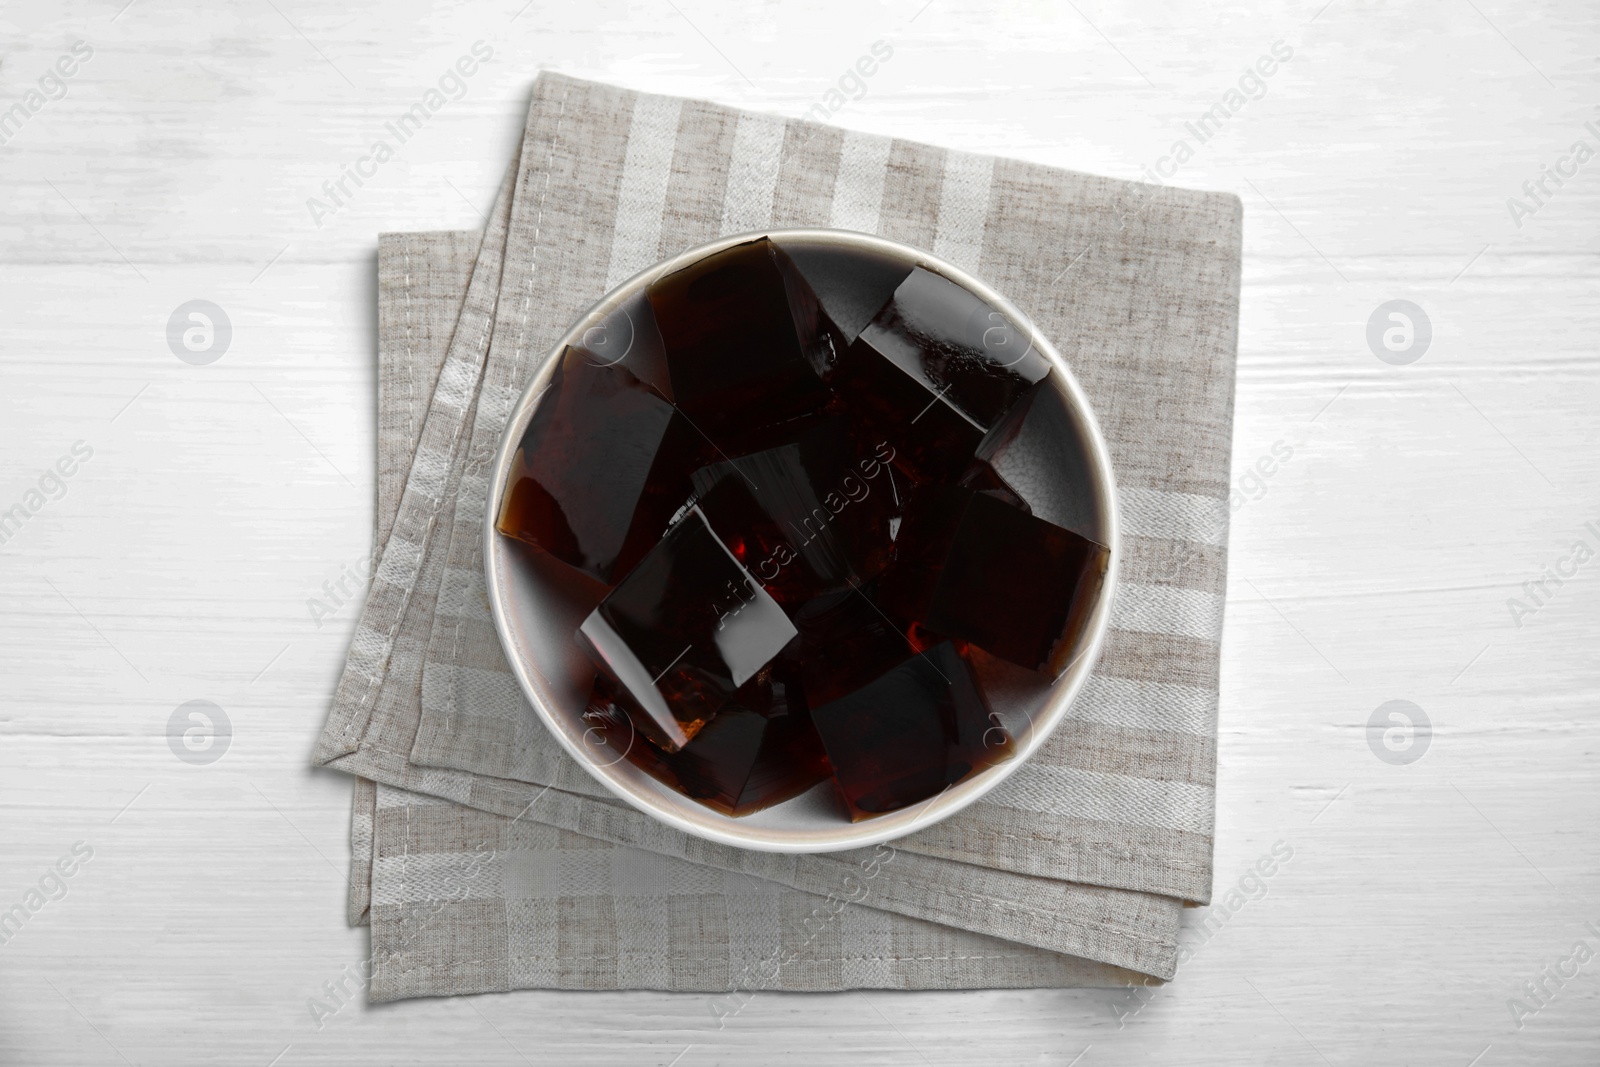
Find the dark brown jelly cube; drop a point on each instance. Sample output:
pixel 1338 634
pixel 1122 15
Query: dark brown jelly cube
pixel 683 630
pixel 851 283
pixel 1039 454
pixel 845 642
pixel 759 750
pixel 746 339
pixel 918 727
pixel 934 371
pixel 971 566
pixel 601 469
pixel 628 337
pixel 805 517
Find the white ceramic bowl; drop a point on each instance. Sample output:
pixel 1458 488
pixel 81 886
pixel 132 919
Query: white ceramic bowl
pixel 536 616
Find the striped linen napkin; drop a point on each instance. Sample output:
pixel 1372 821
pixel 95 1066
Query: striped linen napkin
pixel 493 861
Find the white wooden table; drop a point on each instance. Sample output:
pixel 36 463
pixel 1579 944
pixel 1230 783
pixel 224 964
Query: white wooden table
pixel 1374 564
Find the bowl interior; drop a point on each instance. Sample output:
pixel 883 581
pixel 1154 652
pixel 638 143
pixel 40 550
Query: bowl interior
pixel 537 605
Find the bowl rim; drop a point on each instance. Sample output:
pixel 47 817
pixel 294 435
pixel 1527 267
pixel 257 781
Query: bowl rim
pixel 682 812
